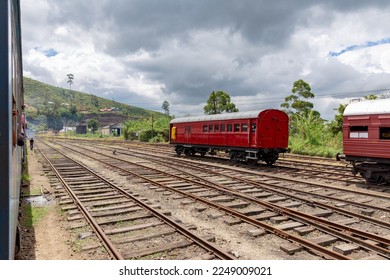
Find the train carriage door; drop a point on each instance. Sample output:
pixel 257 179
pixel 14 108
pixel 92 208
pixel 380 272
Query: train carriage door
pixel 275 132
pixel 279 129
pixel 270 129
pixel 187 133
pixel 252 133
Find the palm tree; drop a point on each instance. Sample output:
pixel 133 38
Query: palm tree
pixel 70 80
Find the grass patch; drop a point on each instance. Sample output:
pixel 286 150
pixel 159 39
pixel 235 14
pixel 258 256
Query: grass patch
pixel 25 176
pixel 31 192
pixel 31 215
pixel 325 147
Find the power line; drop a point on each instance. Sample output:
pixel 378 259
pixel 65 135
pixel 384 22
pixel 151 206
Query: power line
pixel 273 100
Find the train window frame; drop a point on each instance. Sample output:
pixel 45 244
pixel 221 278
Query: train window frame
pixel 223 127
pixel 358 132
pixel 216 128
pixel 229 127
pixel 211 128
pixel 384 133
pixel 205 128
pixel 244 127
pixel 237 127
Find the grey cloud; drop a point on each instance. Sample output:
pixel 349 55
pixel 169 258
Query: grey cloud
pixel 145 24
pixel 263 59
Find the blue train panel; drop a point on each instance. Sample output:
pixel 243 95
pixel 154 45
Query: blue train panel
pixel 12 125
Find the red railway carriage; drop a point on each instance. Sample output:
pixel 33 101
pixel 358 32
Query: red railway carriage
pixel 246 136
pixel 366 139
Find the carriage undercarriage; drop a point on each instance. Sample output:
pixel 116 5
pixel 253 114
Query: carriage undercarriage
pixel 251 156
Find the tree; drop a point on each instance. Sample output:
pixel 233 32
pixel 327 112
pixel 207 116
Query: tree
pixel 95 101
pixel 70 80
pixel 218 103
pixel 165 107
pixel 370 97
pixel 296 103
pixel 309 127
pixel 93 124
pixel 336 125
pixel 54 120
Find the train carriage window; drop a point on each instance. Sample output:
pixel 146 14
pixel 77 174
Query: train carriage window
pixel 358 132
pixel 236 127
pixel 384 133
pixel 229 127
pixel 211 128
pixel 205 128
pixel 223 127
pixel 187 129
pixel 253 127
pixel 244 127
pixel 216 128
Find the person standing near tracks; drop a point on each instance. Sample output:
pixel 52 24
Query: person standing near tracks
pixel 31 143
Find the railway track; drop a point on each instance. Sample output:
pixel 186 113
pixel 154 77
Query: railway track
pixel 313 168
pixel 261 209
pixel 110 216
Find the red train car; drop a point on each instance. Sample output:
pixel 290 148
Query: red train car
pixel 246 136
pixel 366 139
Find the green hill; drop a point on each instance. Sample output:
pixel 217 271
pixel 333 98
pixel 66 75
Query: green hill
pixel 50 107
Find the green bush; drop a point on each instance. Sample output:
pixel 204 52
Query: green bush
pixel 146 135
pixel 157 139
pixel 324 145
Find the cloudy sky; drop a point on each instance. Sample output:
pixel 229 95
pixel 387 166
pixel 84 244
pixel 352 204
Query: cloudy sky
pixel 142 52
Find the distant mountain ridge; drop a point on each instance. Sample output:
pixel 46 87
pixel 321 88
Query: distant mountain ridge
pixel 38 95
pixel 46 103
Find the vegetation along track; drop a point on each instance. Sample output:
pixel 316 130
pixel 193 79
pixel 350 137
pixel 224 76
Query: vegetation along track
pixel 127 226
pixel 296 216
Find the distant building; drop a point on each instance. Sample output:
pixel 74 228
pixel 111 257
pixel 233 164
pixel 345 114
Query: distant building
pixel 51 132
pixel 109 109
pixel 112 129
pixel 81 128
pixel 105 110
pixel 67 129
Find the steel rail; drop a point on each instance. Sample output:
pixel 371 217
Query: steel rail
pixel 270 187
pixel 100 233
pixel 378 195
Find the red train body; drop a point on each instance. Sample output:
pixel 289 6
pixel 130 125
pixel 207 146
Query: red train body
pixel 246 136
pixel 366 139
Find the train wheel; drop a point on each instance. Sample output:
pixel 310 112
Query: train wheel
pixel 270 162
pixel 187 152
pixel 202 154
pixel 234 158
